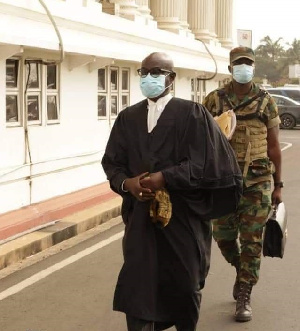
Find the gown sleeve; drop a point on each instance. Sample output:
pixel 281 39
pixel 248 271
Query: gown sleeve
pixel 114 161
pixel 207 164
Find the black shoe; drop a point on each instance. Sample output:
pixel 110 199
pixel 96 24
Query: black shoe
pixel 243 311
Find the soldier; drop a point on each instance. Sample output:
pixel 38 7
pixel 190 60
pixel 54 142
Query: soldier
pixel 256 145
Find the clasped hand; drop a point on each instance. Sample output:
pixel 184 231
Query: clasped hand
pixel 143 186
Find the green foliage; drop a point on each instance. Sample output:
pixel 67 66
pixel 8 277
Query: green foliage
pixel 273 59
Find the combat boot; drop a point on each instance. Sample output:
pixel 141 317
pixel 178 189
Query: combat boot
pixel 243 311
pixel 236 289
pixel 236 286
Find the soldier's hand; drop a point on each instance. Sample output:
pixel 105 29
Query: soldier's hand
pixel 276 196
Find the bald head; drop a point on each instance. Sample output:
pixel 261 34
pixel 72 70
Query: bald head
pixel 158 59
pixel 155 67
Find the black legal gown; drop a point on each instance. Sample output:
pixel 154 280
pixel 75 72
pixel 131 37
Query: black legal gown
pixel 165 268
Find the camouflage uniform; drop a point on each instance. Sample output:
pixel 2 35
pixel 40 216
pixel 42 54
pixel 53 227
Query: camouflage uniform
pixel 248 221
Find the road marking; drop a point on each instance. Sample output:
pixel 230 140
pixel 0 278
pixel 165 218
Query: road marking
pixel 45 273
pixel 288 145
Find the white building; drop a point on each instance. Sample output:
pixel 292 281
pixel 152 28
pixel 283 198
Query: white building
pixel 68 67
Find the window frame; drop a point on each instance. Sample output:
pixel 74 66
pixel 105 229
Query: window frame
pixel 114 93
pixel 125 92
pixel 102 93
pixel 15 92
pixel 54 93
pixel 24 92
pixel 198 90
pixel 33 92
pixel 172 88
pixel 111 93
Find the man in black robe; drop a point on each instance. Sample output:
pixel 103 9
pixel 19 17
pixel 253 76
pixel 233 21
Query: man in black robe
pixel 167 143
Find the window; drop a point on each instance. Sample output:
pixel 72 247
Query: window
pixel 293 94
pixel 198 90
pixel 102 93
pixel 172 88
pixel 102 80
pixel 40 82
pixel 125 89
pixel 12 92
pixel 203 83
pixel 193 89
pixel 52 94
pixel 278 100
pixel 33 95
pixel 113 91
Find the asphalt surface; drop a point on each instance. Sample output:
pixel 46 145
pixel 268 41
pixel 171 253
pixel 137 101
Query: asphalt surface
pixel 70 285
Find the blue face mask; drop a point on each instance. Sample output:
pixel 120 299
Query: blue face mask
pixel 242 73
pixel 153 87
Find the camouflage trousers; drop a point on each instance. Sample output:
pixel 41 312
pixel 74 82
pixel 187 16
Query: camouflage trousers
pixel 239 235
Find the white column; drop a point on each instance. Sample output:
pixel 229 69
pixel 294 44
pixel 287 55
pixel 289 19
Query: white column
pixel 183 18
pixel 144 9
pixel 127 8
pixel 166 13
pixel 224 27
pixel 93 5
pixel 86 3
pixel 75 2
pixel 212 18
pixel 199 19
pixel 183 14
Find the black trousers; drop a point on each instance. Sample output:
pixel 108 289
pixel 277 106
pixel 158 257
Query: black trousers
pixel 136 324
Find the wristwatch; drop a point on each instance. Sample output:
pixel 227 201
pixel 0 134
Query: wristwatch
pixel 278 184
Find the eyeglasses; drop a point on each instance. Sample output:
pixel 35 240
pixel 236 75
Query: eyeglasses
pixel 154 72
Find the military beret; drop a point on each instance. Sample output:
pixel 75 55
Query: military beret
pixel 241 52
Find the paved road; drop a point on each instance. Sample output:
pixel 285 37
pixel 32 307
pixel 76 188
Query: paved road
pixel 70 286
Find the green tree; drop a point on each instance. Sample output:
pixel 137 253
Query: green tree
pixel 269 48
pixel 293 52
pixel 269 60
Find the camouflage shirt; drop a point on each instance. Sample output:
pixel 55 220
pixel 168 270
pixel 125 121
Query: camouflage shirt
pixel 271 110
pixel 260 170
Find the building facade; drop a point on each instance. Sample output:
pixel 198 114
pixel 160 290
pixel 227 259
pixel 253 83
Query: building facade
pixel 68 67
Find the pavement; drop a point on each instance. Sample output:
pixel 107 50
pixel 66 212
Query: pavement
pixel 31 229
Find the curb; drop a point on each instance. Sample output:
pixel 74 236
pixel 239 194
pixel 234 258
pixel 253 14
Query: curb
pixel 68 227
pixel 40 213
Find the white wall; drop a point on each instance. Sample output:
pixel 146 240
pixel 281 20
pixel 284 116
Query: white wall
pixel 66 156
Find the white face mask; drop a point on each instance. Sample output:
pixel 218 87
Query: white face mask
pixel 242 73
pixel 153 87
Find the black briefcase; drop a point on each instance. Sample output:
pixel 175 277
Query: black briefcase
pixel 275 232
